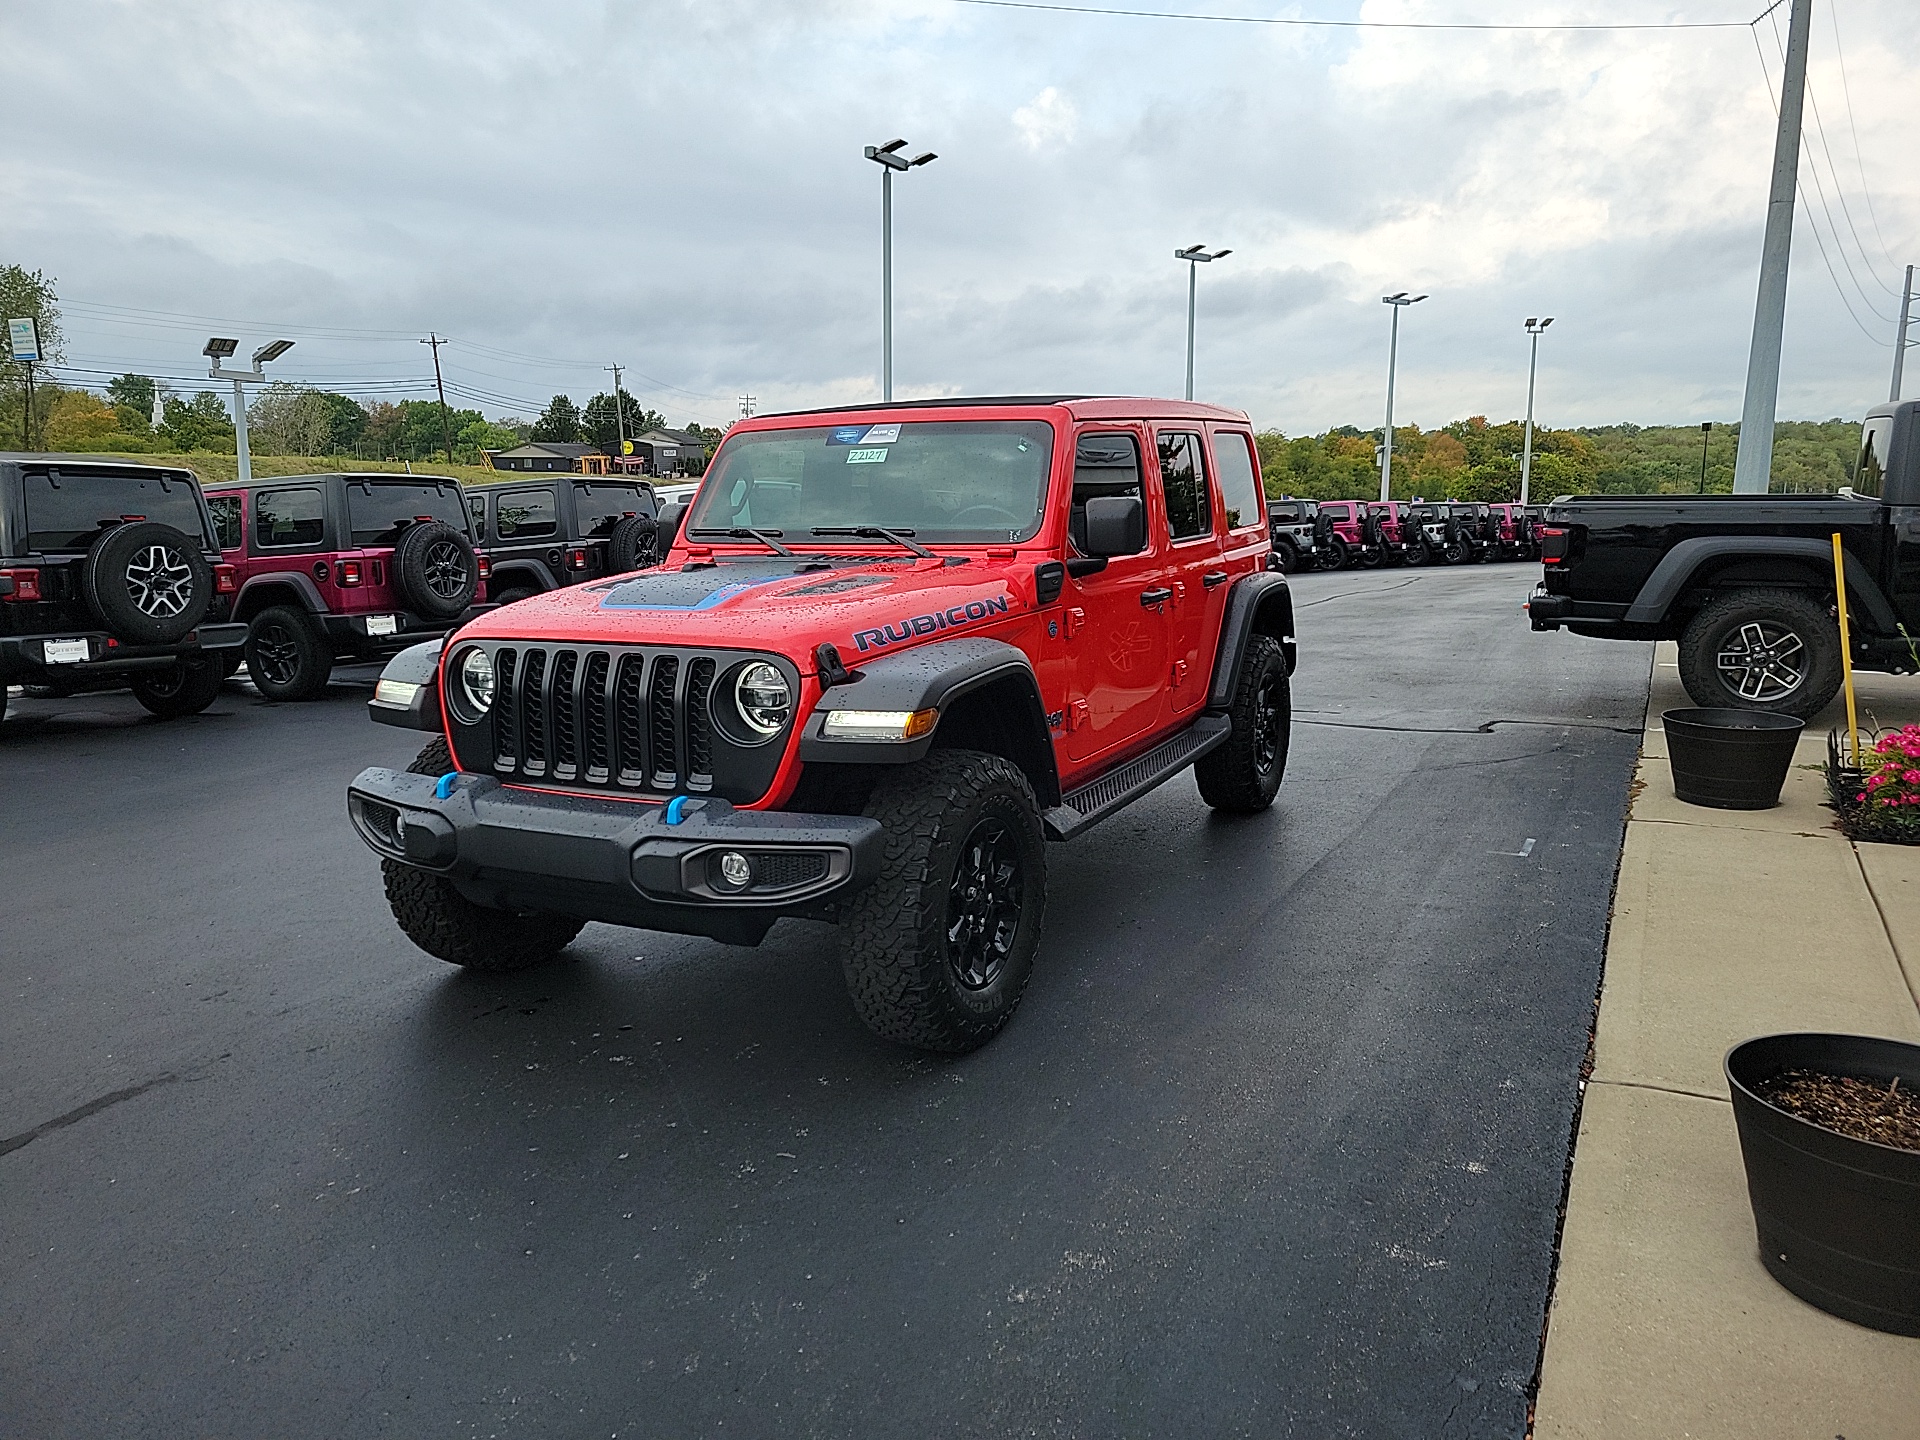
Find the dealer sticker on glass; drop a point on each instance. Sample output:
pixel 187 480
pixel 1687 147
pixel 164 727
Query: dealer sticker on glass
pixel 381 624
pixel 65 652
pixel 875 455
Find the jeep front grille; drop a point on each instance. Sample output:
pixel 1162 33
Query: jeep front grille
pixel 618 720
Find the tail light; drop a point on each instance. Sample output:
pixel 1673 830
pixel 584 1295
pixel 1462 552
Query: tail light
pixel 1554 543
pixel 226 579
pixel 485 566
pixel 350 572
pixel 577 559
pixel 21 585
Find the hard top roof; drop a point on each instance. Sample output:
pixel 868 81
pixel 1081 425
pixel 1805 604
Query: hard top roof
pixel 86 462
pixel 261 480
pixel 1082 407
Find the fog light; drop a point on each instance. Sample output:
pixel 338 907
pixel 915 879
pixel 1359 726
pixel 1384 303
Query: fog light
pixel 736 871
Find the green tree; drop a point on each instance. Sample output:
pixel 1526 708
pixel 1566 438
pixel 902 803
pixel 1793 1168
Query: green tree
pixel 346 422
pixel 559 423
pixel 201 423
pixel 136 393
pixel 600 422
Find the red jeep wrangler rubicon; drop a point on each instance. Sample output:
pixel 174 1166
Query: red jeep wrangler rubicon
pixel 892 651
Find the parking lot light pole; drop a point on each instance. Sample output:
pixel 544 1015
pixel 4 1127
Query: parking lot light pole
pixel 1534 328
pixel 218 349
pixel 889 159
pixel 1398 300
pixel 1195 256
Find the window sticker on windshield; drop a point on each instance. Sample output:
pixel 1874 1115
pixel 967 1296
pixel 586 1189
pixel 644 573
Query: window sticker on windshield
pixel 882 435
pixel 876 456
pixel 847 434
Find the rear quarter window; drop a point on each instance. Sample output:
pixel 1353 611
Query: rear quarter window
pixel 227 527
pixel 1869 475
pixel 67 509
pixel 1239 479
pixel 289 519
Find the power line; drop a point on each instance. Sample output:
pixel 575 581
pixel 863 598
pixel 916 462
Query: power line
pixel 1354 24
pixel 1846 91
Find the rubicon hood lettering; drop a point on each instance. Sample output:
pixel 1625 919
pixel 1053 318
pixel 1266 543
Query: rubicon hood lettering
pixel 930 623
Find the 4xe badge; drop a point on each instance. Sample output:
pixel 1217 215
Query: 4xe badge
pixel 936 620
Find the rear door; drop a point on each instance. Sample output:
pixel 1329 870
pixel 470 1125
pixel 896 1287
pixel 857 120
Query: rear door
pixel 1193 555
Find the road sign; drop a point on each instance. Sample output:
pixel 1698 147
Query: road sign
pixel 24 337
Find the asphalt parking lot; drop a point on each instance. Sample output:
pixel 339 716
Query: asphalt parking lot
pixel 1274 1145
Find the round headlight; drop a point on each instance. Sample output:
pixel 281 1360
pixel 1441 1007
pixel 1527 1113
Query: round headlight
pixel 763 698
pixel 476 681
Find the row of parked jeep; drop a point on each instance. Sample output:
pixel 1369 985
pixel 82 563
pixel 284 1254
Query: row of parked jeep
pixel 1334 534
pixel 124 574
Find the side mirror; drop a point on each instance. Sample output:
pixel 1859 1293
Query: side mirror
pixel 1116 525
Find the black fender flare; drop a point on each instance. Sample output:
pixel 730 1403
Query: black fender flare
pixel 1677 568
pixel 419 666
pixel 1258 604
pixel 942 676
pixel 530 569
pixel 294 580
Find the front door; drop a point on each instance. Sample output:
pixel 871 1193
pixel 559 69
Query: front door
pixel 1114 621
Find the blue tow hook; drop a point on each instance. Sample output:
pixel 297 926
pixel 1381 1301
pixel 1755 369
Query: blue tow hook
pixel 676 808
pixel 444 789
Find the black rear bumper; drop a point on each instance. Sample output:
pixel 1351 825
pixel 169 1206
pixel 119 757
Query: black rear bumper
pixel 348 634
pixel 620 861
pixel 23 658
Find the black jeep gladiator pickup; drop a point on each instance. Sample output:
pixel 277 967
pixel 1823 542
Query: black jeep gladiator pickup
pixel 1745 582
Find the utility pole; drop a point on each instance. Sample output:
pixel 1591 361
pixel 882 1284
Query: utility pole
pixel 1753 465
pixel 1399 300
pixel 747 402
pixel 1706 429
pixel 1901 343
pixel 1534 327
pixel 619 409
pixel 446 428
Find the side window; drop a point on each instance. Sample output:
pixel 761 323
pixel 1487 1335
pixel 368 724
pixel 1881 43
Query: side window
pixel 1103 465
pixel 226 520
pixel 287 519
pixel 1239 478
pixel 477 509
pixel 1184 479
pixel 526 515
pixel 1870 474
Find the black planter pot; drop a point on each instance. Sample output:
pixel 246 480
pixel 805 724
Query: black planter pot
pixel 1838 1219
pixel 1730 759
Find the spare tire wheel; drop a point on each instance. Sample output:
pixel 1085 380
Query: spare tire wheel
pixel 147 583
pixel 434 570
pixel 630 544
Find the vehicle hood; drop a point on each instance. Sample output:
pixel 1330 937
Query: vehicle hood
pixel 863 607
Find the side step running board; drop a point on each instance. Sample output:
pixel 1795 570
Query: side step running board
pixel 1080 810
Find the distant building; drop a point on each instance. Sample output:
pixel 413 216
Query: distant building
pixel 671 452
pixel 538 455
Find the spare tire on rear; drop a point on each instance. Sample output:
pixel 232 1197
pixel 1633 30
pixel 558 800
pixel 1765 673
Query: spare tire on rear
pixel 147 583
pixel 434 569
pixel 630 544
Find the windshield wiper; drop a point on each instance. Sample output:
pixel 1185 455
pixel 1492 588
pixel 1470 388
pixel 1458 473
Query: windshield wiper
pixel 876 532
pixel 768 538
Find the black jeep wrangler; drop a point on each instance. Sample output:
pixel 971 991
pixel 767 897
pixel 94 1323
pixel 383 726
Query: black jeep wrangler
pixel 110 574
pixel 563 529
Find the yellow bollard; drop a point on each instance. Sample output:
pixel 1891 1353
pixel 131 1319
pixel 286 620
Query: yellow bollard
pixel 1846 647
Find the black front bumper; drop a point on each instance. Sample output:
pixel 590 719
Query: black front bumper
pixel 24 657
pixel 619 861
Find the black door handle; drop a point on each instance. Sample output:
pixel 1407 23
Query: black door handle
pixel 1213 578
pixel 1159 595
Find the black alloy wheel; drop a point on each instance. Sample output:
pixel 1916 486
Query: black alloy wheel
pixel 984 904
pixel 276 653
pixel 446 570
pixel 1268 713
pixel 287 655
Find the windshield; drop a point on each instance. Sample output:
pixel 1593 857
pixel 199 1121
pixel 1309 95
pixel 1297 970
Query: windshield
pixel 66 509
pixel 380 508
pixel 951 482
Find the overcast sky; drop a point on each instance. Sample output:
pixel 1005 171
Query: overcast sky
pixel 678 185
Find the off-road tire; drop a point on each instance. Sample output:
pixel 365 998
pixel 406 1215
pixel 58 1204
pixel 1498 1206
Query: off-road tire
pixel 1794 613
pixel 184 688
pixel 434 570
pixel 1244 774
pixel 288 657
pixel 902 969
pixel 630 544
pixel 1340 554
pixel 517 593
pixel 1281 559
pixel 450 927
pixel 147 583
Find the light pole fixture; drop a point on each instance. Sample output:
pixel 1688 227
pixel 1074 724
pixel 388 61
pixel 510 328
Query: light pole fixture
pixel 1398 300
pixel 1706 429
pixel 218 349
pixel 1195 256
pixel 1535 327
pixel 889 159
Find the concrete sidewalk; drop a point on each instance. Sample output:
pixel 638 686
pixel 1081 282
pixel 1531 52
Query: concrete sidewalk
pixel 1726 924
